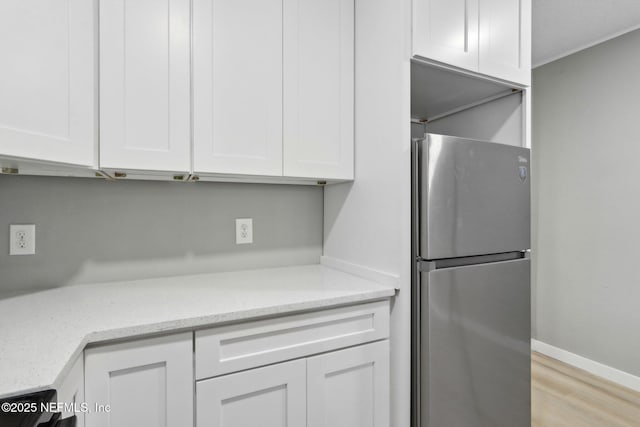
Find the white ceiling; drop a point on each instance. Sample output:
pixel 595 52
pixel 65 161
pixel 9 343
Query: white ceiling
pixel 562 27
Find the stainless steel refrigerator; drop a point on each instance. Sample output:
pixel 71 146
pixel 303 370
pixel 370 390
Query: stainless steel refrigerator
pixel 471 330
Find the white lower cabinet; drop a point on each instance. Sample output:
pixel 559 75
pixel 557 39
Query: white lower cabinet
pixel 346 388
pixel 326 368
pixel 146 383
pixel 349 388
pixel 273 396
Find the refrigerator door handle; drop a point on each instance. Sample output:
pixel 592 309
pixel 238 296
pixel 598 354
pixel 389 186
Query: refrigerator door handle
pixel 430 265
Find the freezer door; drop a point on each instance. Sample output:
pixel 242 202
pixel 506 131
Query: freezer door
pixel 474 197
pixel 475 346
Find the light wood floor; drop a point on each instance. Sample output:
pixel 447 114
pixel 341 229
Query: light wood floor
pixel 563 396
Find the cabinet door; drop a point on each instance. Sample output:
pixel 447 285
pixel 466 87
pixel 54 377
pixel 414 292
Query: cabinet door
pixel 146 382
pixel 319 88
pixel 349 388
pixel 274 396
pixel 505 39
pixel 145 85
pixel 447 31
pixel 237 86
pixel 47 80
pixel 71 392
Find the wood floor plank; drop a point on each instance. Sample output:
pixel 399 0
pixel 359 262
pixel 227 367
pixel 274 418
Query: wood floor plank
pixel 564 396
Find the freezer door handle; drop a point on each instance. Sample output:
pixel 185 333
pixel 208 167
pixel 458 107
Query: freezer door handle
pixel 429 265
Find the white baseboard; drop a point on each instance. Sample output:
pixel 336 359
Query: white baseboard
pixel 378 276
pixel 596 368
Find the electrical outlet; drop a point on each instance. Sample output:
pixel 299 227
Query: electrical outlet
pixel 22 239
pixel 244 230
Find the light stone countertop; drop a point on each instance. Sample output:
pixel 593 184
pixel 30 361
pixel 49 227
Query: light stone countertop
pixel 42 333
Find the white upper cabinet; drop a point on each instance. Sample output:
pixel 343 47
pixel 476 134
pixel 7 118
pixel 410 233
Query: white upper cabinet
pixel 505 39
pixel 446 31
pixel 273 87
pixel 145 98
pixel 47 80
pixel 491 37
pixel 237 86
pixel 319 43
pixel 259 89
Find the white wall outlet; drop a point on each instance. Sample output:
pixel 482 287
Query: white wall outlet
pixel 22 239
pixel 244 230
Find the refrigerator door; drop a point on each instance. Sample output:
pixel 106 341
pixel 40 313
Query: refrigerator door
pixel 475 346
pixel 474 197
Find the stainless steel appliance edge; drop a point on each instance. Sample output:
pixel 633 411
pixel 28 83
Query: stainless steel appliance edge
pixel 470 283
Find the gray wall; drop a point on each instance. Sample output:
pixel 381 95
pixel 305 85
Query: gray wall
pixel 497 121
pixel 586 146
pixel 91 230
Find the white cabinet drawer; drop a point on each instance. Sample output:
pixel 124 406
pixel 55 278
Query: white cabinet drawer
pixel 243 346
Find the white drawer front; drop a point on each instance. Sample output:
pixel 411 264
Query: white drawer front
pixel 243 346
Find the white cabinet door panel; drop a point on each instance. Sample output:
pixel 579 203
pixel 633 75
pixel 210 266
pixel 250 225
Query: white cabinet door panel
pixel 145 84
pixel 505 39
pixel 273 396
pixel 349 388
pixel 47 80
pixel 237 86
pixel 146 382
pixel 447 31
pixel 319 88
